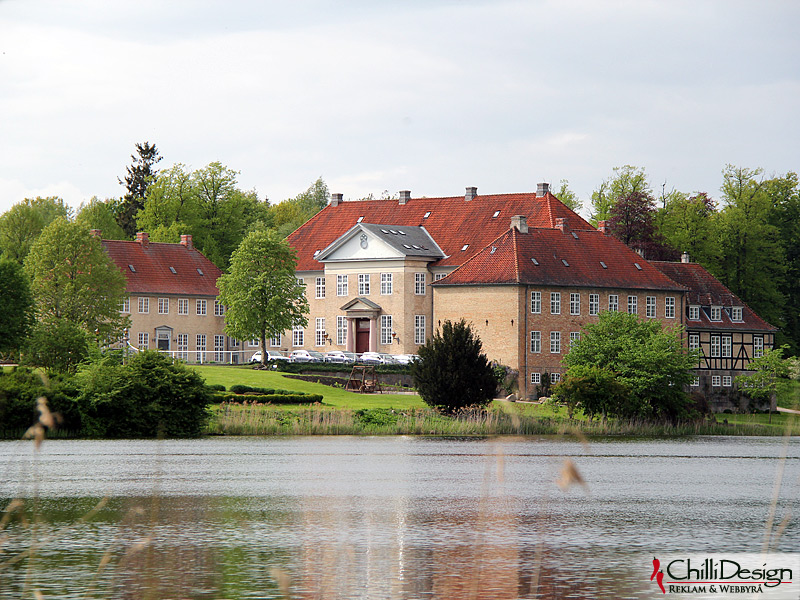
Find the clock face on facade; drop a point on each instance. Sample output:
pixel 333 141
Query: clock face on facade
pixel 364 240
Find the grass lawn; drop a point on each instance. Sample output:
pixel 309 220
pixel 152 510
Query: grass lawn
pixel 333 397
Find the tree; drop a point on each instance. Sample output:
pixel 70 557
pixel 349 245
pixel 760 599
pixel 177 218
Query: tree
pixel 648 359
pixel 686 224
pixel 626 180
pixel 632 221
pixel 453 372
pixel 292 213
pixel 22 224
pixel 261 292
pixel 16 306
pixel 138 178
pixel 56 345
pixel 567 196
pixel 762 382
pixel 595 390
pixel 101 215
pixel 72 278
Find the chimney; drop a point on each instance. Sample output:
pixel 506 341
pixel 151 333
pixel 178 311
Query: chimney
pixel 561 224
pixel 95 233
pixel 542 189
pixel 336 199
pixel 602 227
pixel 186 240
pixel 405 196
pixel 520 223
pixel 685 257
pixel 472 193
pixel 143 238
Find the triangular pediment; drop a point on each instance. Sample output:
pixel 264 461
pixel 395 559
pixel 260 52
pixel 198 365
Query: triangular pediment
pixel 368 241
pixel 361 304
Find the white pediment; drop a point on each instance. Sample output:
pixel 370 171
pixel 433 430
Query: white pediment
pixel 358 244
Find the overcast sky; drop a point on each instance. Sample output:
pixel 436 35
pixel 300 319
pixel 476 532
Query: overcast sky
pixel 426 95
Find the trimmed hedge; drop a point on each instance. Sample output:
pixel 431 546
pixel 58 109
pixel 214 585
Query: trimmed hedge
pixel 277 398
pixel 249 389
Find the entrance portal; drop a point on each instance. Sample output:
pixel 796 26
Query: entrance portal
pixel 362 335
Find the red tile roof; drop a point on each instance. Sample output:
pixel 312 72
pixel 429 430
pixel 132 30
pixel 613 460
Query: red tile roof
pixel 706 290
pixel 152 268
pixel 453 222
pixel 561 259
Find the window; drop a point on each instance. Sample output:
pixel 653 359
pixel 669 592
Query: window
pixel 536 378
pixel 736 313
pixel 319 331
pixel 716 313
pixel 200 347
pixel 555 303
pixel 341 331
pixel 419 329
pixel 183 346
pixel 386 284
pixel 320 287
pixel 536 303
pixel 555 342
pixel 695 382
pixel 650 307
pixel 144 341
pixel 716 380
pixel 219 348
pixel 386 329
pixel 574 304
pixel 727 346
pixel 758 346
pixel 363 284
pixel 613 302
pixel 439 276
pixel 727 381
pixel 125 305
pixel 694 341
pixel 669 307
pixel 574 338
pixel 201 306
pixel 183 306
pixel 633 305
pixel 594 304
pixel 144 305
pixel 298 335
pixel 163 306
pixel 694 313
pixel 219 309
pixel 341 285
pixel 536 341
pixel 419 284
pixel 715 346
pixel 555 377
pixel 275 342
pixel 253 343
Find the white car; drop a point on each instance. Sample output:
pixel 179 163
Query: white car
pixel 371 358
pixel 339 356
pixel 272 355
pixel 306 356
pixel 407 359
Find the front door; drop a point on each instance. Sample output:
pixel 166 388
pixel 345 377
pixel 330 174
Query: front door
pixel 163 340
pixel 362 335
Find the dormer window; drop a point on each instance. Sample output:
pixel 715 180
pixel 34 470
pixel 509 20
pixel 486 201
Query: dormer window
pixel 694 313
pixel 426 215
pixel 464 247
pixel 496 214
pixel 716 313
pixel 736 313
pixel 359 219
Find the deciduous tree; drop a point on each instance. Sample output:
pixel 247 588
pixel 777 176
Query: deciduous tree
pixel 625 181
pixel 16 306
pixel 567 196
pixel 101 215
pixel 22 224
pixel 687 224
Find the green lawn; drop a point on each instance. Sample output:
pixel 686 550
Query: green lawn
pixel 334 397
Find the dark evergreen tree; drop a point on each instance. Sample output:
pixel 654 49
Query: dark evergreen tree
pixel 16 306
pixel 453 372
pixel 139 176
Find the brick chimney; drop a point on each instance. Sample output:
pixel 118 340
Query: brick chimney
pixel 472 193
pixel 95 233
pixel 186 240
pixel 336 199
pixel 520 223
pixel 602 227
pixel 685 257
pixel 562 224
pixel 143 238
pixel 405 196
pixel 542 189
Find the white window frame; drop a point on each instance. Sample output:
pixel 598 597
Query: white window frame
pixel 419 329
pixel 758 346
pixel 386 330
pixel 737 314
pixel 183 346
pixel 574 303
pixel 716 313
pixel 651 307
pixel 716 381
pixel 201 307
pixel 694 341
pixel 387 284
pixel 341 285
pixel 727 381
pixel 555 303
pixel 320 288
pixel 633 305
pixel 669 307
pixel 594 304
pixel 219 348
pixel 298 335
pixel 536 378
pixel 555 342
pixel 363 284
pixel 275 342
pixel 183 306
pixel 695 381
pixel 125 305
pixel 319 331
pixel 555 377
pixel 341 330
pixel 536 303
pixel 536 342
pixel 200 347
pixel 726 344
pixel 716 346
pixel 219 309
pixel 613 302
pixel 143 340
pixel 144 305
pixel 163 306
pixel 694 312
pixel 420 280
pixel 574 338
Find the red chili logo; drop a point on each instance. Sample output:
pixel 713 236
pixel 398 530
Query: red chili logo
pixel 658 575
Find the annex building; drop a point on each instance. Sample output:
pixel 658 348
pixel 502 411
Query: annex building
pixel 526 271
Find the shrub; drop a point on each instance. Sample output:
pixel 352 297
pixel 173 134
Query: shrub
pixel 452 372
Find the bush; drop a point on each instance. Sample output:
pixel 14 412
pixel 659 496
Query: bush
pixel 282 397
pixel 57 345
pixel 452 372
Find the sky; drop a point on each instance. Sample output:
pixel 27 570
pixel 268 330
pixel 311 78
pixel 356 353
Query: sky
pixel 430 96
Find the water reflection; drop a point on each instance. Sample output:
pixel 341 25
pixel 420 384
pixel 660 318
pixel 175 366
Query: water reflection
pixel 378 517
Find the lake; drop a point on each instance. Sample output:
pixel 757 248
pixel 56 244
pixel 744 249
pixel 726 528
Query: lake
pixel 382 517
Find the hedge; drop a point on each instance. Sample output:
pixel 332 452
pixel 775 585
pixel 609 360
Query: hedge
pixel 278 398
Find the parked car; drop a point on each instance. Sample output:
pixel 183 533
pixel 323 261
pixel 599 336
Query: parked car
pixel 306 356
pixel 407 359
pixel 371 358
pixel 272 355
pixel 339 356
pixel 388 359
